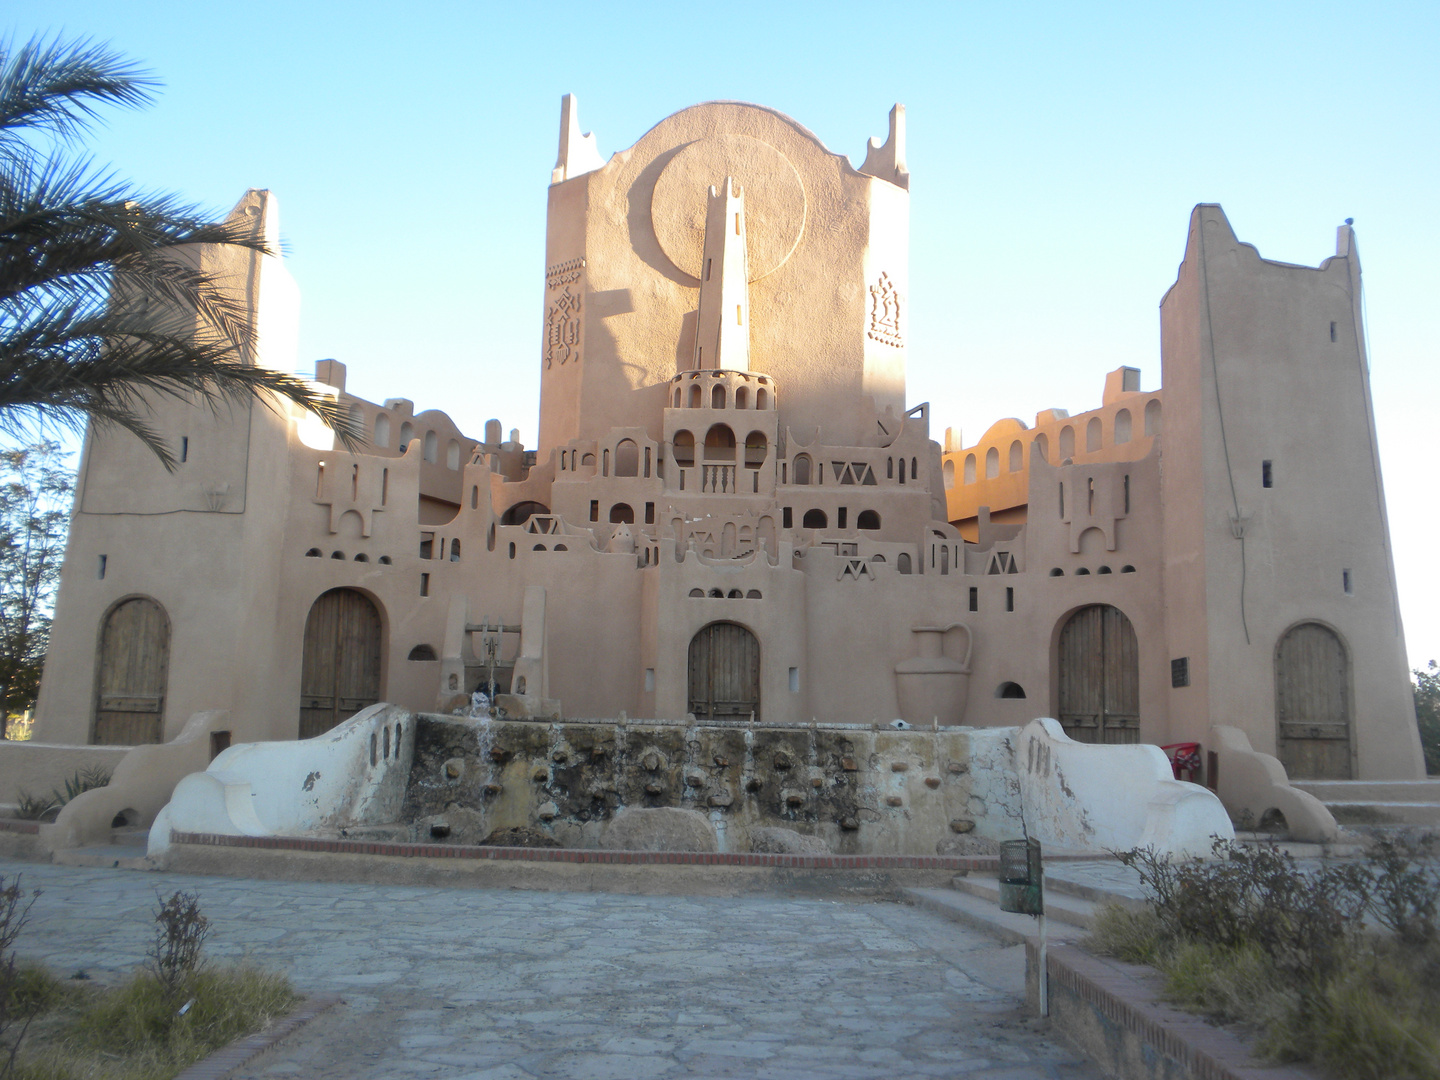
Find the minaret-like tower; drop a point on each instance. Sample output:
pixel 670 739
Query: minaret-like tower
pixel 722 333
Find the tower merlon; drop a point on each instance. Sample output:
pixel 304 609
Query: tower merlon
pixel 887 161
pixel 578 153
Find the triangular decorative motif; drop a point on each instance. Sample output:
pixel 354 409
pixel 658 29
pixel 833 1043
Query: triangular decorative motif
pixel 1002 562
pixel 857 569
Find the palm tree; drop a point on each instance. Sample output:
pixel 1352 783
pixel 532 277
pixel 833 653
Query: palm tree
pixel 100 309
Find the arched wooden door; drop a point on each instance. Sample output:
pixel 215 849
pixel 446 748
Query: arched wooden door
pixel 1312 704
pixel 134 662
pixel 340 674
pixel 1100 677
pixel 724 673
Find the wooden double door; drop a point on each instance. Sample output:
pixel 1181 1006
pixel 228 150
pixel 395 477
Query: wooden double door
pixel 1312 704
pixel 340 672
pixel 1099 676
pixel 724 673
pixel 134 666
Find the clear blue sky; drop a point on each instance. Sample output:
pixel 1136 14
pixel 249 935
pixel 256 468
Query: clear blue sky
pixel 1055 152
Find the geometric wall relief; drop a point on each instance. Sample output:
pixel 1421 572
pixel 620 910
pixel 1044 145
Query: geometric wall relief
pixel 562 312
pixel 856 472
pixel 885 313
pixel 856 569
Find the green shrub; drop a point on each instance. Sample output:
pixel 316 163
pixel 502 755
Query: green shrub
pixel 1126 934
pixel 86 779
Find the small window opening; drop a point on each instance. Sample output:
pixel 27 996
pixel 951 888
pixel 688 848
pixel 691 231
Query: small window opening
pixel 787 518
pixel 594 509
pixel 649 513
pixel 1127 569
pixel 354 482
pixel 313 553
pixel 185 439
pixel 387 742
pixel 512 551
pixel 1090 496
pixel 374 754
pixel 1347 582
pixel 794 680
pixel 707 268
pixel 384 560
pixel 422 652
pixel 1009 598
pixel 1103 570
pixel 320 481
pixel 1332 331
pixel 103 559
pixel 840 517
pixel 1127 493
pixel 902 562
pixel 1057 572
pixel 1061 488
pixel 649 680
pixel 1267 475
pixel 974 598
pixel 454 550
pixel 337 555
pixel 1010 690
pixel 424 584
pixel 384 485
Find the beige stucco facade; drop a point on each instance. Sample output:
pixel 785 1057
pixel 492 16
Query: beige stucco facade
pixel 726 437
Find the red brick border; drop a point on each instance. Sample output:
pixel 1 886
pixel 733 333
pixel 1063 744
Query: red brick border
pixel 19 825
pixel 229 1058
pixel 588 855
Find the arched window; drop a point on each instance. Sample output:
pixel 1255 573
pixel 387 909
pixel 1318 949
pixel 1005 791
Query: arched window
pixel 902 562
pixel 1152 417
pixel 762 398
pixel 407 434
pixel 720 442
pixel 755 447
pixel 361 557
pixel 1093 435
pixel 521 512
pixel 683 448
pixel 742 397
pixel 868 520
pixel 1067 443
pixel 622 513
pixel 423 652
pixel 1057 572
pixel 992 463
pixel 694 395
pixel 801 471
pixel 1041 446
pixel 432 447
pixel 452 454
pixel 455 550
pixel 969 468
pixel 587 459
pixel 1017 456
pixel 949 472
pixel 1122 426
pixel 717 396
pixel 382 430
pixel 814 519
pixel 627 458
pixel 313 553
pixel 1010 690
pixel 697 593
pixel 679 396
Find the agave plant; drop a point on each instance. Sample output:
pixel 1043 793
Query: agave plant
pixel 101 306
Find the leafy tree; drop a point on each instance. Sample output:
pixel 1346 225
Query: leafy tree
pixel 101 310
pixel 35 490
pixel 1427 714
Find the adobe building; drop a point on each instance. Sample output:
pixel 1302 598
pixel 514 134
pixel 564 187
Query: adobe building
pixel 734 511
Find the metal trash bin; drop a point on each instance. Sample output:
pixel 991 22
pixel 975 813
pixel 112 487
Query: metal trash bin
pixel 1020 880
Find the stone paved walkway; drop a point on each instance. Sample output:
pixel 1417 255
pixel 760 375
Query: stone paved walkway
pixel 508 985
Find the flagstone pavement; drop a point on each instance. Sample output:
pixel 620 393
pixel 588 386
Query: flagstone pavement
pixel 465 984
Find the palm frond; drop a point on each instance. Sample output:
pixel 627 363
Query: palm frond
pixel 58 86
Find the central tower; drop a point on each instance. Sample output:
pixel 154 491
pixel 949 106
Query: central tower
pixel 807 262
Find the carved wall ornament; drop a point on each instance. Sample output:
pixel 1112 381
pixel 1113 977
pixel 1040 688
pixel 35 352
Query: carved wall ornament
pixel 564 273
pixel 562 328
pixel 885 313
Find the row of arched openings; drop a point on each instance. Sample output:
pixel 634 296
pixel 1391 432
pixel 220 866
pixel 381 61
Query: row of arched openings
pixel 1121 433
pixel 719 397
pixel 720 446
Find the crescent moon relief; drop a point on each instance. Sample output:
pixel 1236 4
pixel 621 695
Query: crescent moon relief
pixel 775 207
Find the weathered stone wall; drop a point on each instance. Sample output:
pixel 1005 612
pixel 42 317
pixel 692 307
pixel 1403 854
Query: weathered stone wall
pixel 857 789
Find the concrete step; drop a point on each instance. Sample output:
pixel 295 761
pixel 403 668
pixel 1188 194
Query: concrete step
pixel 1058 906
pixel 982 915
pixel 111 856
pixel 1296 849
pixel 1372 791
pixel 1384 813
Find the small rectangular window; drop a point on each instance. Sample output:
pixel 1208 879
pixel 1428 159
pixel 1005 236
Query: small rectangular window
pixel 1127 493
pixel 974 598
pixel 1347 582
pixel 1009 599
pixel 1267 475
pixel 649 513
pixel 424 584
pixel 649 680
pixel 102 567
pixel 787 518
pixel 794 680
pixel 1332 331
pixel 184 447
pixel 840 518
pixel 1180 672
pixel 594 509
pixel 219 742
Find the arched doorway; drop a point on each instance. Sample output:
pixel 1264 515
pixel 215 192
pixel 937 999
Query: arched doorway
pixel 340 672
pixel 1312 703
pixel 522 512
pixel 724 673
pixel 1099 677
pixel 134 662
